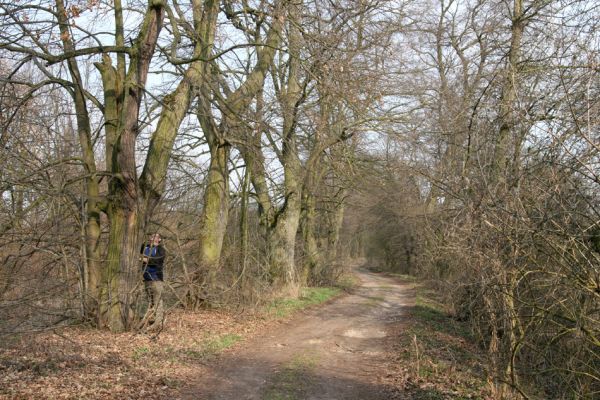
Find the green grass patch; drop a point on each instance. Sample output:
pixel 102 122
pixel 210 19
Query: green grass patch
pixel 196 351
pixel 308 297
pixel 217 344
pixel 304 361
pixel 140 352
pixel 427 297
pixel 211 346
pixel 374 301
pixel 291 382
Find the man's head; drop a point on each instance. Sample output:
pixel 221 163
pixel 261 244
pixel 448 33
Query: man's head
pixel 155 239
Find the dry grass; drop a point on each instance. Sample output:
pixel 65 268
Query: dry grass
pixel 433 356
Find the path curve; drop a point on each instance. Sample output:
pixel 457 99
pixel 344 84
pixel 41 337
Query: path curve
pixel 336 351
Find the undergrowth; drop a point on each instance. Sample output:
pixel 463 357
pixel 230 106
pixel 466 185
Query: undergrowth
pixel 437 355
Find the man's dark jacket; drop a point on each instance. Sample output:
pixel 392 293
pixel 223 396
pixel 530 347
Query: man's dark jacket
pixel 153 270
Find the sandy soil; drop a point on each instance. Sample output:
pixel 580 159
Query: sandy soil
pixel 336 351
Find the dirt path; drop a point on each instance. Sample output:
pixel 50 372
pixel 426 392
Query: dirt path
pixel 332 352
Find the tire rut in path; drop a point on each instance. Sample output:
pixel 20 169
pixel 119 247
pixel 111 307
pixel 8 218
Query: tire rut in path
pixel 332 352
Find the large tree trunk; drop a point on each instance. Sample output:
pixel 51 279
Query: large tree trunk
pixel 121 272
pixel 213 222
pixel 505 160
pixel 312 260
pixel 123 95
pixel 334 224
pixel 92 230
pixel 93 263
pixel 287 219
pixel 255 162
pixel 283 236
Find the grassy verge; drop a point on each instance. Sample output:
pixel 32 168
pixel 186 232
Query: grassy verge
pixel 310 296
pixel 436 356
pixel 347 282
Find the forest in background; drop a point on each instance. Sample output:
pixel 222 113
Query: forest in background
pixel 269 141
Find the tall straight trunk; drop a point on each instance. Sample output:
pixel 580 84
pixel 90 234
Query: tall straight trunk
pixel 283 235
pixel 251 151
pixel 255 163
pixel 92 229
pixel 121 273
pixel 109 312
pixel 505 331
pixel 334 224
pixel 508 101
pixel 505 160
pixel 326 135
pixel 314 259
pixel 494 343
pixel 93 264
pixel 287 219
pixel 514 332
pixel 311 260
pixel 213 222
pixel 123 212
pixel 245 197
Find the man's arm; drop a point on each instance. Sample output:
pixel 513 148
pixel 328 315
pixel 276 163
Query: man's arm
pixel 143 258
pixel 161 253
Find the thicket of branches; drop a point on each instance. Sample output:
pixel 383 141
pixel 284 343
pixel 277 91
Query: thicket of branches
pixel 503 145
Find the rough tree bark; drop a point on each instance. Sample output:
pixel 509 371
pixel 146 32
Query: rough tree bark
pixel 92 229
pixel 123 93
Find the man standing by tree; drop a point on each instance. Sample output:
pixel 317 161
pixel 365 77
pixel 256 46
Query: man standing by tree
pixel 153 257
